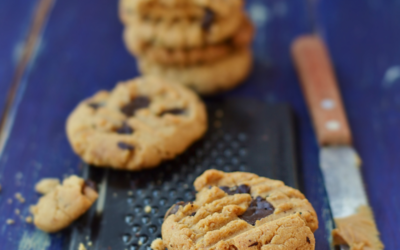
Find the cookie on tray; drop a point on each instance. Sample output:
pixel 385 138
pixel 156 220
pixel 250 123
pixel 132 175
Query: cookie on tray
pixel 63 204
pixel 184 33
pixel 177 9
pixel 221 75
pixel 240 211
pixel 137 125
pixel 209 53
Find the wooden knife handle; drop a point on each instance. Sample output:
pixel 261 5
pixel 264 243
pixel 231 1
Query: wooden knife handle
pixel 321 91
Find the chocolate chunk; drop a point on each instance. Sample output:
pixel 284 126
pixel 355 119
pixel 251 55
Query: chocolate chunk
pixel 242 189
pixel 193 214
pixel 175 111
pixel 174 209
pixel 91 184
pixel 125 129
pixel 254 244
pixel 208 20
pixel 308 240
pixel 95 105
pixel 140 102
pixel 123 145
pixel 259 208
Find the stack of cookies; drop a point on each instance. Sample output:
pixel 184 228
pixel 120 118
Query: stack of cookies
pixel 203 44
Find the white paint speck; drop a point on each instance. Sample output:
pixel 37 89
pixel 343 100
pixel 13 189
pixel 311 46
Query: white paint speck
pixel 259 13
pixel 327 104
pixel 37 240
pixel 333 125
pixel 391 75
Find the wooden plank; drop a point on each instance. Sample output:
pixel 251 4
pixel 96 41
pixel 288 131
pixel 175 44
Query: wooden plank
pixel 364 38
pixel 15 18
pixel 82 52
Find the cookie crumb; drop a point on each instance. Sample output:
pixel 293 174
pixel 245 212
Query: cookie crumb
pixel 46 185
pixel 89 244
pixel 19 197
pixel 10 221
pixel 130 193
pixel 147 209
pixel 17 212
pixel 157 244
pixel 28 219
pixel 81 247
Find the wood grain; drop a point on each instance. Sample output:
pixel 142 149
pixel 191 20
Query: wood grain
pixel 82 52
pixel 15 18
pixel 321 91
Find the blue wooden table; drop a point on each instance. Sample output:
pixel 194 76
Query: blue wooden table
pixel 80 51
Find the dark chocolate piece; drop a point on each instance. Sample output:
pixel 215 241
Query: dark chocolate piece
pixel 95 105
pixel 208 20
pixel 242 189
pixel 259 208
pixel 123 145
pixel 140 102
pixel 91 184
pixel 308 240
pixel 125 129
pixel 254 244
pixel 174 209
pixel 175 111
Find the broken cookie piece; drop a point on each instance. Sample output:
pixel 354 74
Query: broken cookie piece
pixel 64 204
pixel 46 185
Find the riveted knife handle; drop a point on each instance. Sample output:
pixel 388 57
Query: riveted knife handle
pixel 321 91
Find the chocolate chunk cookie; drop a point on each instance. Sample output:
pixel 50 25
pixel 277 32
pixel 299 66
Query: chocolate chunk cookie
pixel 240 211
pixel 137 125
pixel 184 57
pixel 217 76
pixel 64 204
pixel 184 33
pixel 177 9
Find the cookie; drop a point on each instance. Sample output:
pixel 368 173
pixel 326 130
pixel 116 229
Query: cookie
pixel 206 79
pixel 137 125
pixel 205 54
pixel 184 33
pixel 240 211
pixel 64 204
pixel 177 9
pixel 46 185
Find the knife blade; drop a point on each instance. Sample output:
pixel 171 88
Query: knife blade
pixel 339 161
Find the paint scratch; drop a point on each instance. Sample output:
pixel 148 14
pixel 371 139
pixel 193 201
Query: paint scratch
pixel 391 76
pixel 37 240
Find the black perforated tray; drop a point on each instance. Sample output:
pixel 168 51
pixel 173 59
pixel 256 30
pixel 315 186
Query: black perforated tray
pixel 243 135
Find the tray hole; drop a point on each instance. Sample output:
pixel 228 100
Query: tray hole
pixel 127 238
pixel 129 219
pixel 152 229
pixel 138 209
pixel 136 228
pixel 146 219
pixel 163 201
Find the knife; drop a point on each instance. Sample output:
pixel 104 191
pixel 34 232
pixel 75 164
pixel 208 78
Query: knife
pixel 339 162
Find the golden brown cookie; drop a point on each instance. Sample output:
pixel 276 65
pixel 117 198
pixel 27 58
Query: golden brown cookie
pixel 221 75
pixel 242 38
pixel 64 204
pixel 241 211
pixel 184 33
pixel 177 9
pixel 137 125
